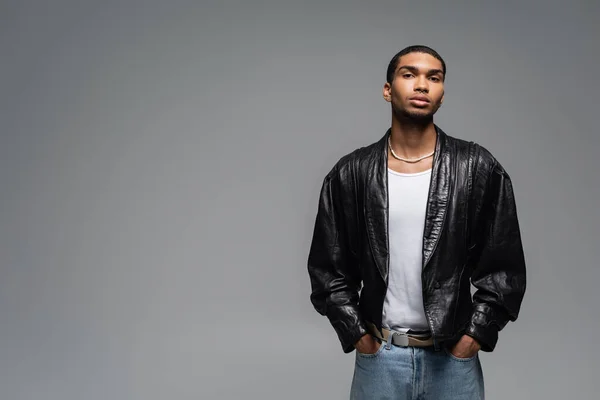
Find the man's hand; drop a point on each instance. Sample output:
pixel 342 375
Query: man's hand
pixel 367 344
pixel 466 347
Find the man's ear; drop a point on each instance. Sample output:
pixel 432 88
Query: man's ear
pixel 386 92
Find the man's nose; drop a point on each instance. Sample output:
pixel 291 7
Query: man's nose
pixel 421 85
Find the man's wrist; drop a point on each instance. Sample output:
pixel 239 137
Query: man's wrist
pixel 473 340
pixel 361 340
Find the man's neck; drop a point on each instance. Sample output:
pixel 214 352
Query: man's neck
pixel 413 139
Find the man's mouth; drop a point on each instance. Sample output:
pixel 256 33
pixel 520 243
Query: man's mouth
pixel 420 98
pixel 419 101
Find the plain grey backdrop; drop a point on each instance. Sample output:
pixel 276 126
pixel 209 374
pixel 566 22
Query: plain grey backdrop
pixel 160 164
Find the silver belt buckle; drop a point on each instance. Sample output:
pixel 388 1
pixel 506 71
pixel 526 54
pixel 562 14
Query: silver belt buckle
pixel 400 339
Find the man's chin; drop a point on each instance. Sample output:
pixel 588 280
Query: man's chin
pixel 416 116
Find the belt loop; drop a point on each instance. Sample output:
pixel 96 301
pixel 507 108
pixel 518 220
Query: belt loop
pixel 390 337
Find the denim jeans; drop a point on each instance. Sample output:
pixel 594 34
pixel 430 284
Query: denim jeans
pixel 416 373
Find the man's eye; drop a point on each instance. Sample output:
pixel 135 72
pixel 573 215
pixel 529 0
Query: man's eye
pixel 433 78
pixel 407 75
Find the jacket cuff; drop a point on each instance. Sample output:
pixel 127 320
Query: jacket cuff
pixel 487 336
pixel 484 326
pixel 348 326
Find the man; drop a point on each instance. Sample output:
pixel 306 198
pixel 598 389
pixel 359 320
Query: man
pixel 404 227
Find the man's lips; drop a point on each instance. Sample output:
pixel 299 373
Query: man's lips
pixel 420 98
pixel 419 101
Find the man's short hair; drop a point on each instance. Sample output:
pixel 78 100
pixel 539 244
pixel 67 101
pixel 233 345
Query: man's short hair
pixel 412 49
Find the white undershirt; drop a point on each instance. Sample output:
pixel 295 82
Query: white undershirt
pixel 403 306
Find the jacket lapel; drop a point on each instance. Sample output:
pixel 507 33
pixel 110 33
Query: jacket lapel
pixel 376 201
pixel 376 204
pixel 437 199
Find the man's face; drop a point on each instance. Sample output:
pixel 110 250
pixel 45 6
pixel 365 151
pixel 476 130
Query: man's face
pixel 417 90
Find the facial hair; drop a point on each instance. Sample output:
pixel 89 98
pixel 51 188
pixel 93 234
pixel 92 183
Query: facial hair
pixel 419 118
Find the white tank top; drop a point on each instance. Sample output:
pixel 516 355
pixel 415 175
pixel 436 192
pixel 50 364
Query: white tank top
pixel 403 305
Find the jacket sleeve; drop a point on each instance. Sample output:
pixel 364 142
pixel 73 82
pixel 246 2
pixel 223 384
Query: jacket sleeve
pixel 499 265
pixel 334 275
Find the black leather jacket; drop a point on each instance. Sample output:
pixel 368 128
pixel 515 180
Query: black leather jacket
pixel 471 235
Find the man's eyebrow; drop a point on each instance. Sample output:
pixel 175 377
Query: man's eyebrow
pixel 414 69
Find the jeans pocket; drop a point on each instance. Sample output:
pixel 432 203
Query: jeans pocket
pixel 371 355
pixel 459 359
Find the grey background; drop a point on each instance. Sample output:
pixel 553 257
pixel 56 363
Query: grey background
pixel 160 165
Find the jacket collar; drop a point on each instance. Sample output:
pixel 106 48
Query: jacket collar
pixel 376 206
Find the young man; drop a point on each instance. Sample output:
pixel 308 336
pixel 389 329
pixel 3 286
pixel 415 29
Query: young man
pixel 404 227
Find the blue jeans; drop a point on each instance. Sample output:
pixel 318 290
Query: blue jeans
pixel 416 373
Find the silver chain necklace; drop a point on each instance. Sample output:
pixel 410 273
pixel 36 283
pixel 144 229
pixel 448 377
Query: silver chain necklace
pixel 408 160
